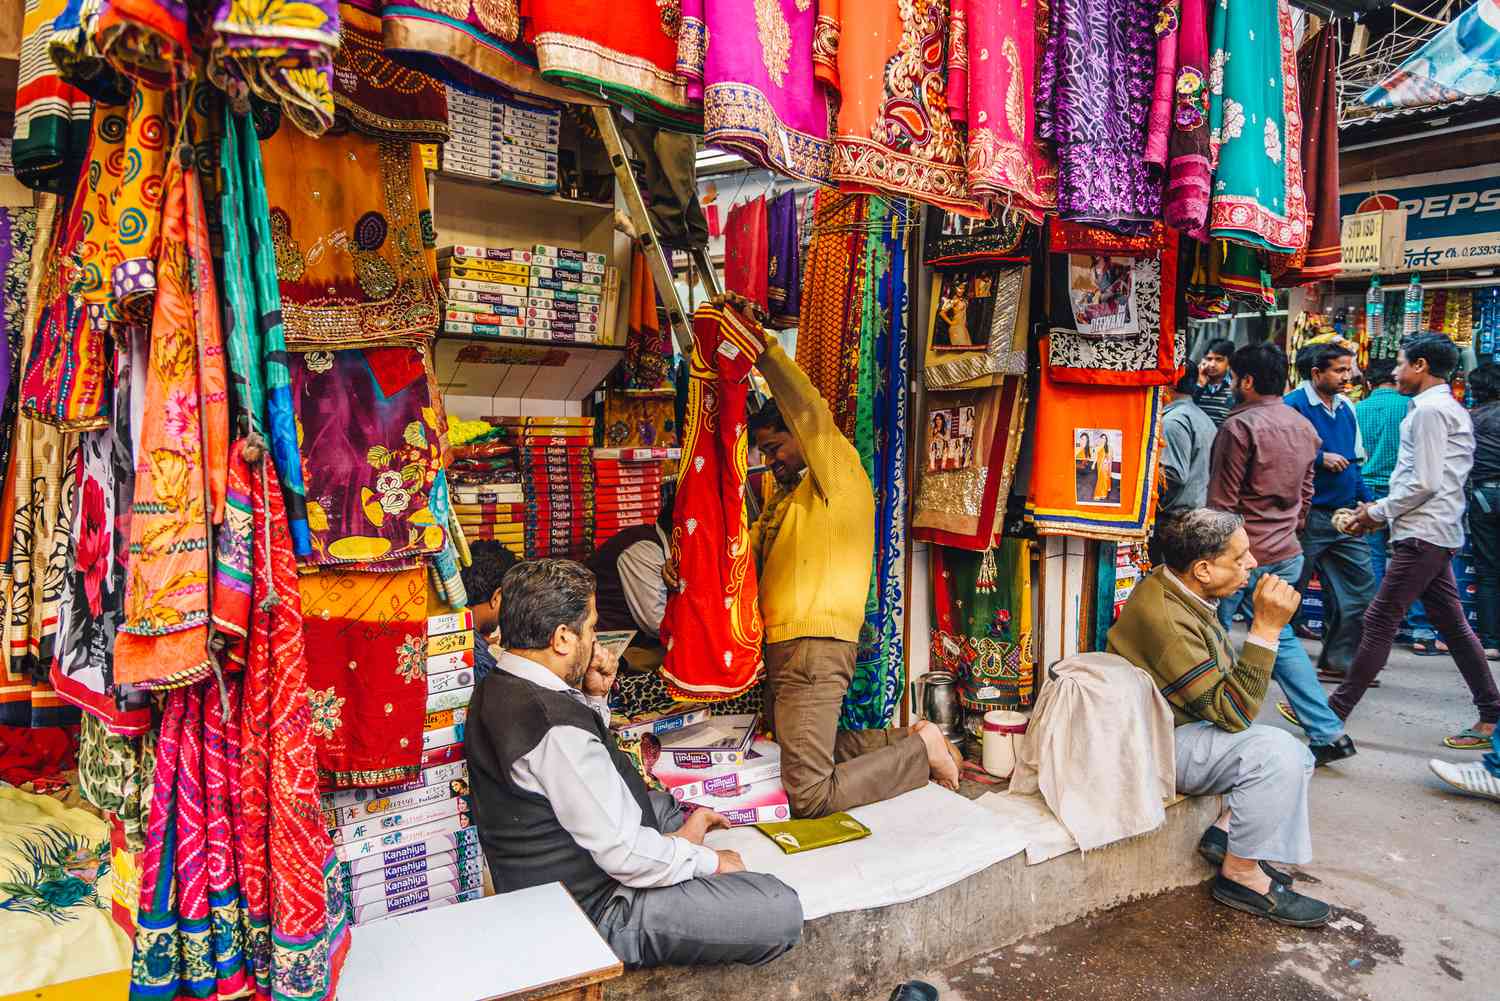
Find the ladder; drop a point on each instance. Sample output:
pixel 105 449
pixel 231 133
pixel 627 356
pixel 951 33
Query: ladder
pixel 656 255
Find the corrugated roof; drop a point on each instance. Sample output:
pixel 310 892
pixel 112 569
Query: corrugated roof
pixel 1354 119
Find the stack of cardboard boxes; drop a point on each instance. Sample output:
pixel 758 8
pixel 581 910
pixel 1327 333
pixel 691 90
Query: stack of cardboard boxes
pixel 720 763
pixel 546 293
pixel 500 140
pixel 558 482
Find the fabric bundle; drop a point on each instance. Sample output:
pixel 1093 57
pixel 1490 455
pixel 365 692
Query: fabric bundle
pixel 784 261
pixel 282 52
pixel 964 504
pixel 746 257
pixel 823 331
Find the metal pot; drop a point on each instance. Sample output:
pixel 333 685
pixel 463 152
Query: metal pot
pixel 935 698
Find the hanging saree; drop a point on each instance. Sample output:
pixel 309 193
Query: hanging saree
pixel 367 685
pixel 291 891
pixel 982 625
pixel 761 99
pixel 784 261
pixel 626 50
pixel 94 590
pixel 369 439
pixel 376 95
pixel 1144 351
pixel 1002 301
pixel 1093 98
pixel 18 231
pixel 746 259
pixel 282 50
pixel 992 64
pixel 827 305
pixel 353 241
pixel 115 774
pixel 964 504
pixel 894 132
pixel 52 117
pixel 35 520
pixel 1255 129
pixel 1109 491
pixel 474 44
pixel 254 339
pixel 879 679
pixel 1189 172
pixel 648 346
pixel 1317 76
pixel 180 473
pixel 712 627
pixel 189 942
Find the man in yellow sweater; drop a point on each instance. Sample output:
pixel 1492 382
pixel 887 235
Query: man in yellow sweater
pixel 814 545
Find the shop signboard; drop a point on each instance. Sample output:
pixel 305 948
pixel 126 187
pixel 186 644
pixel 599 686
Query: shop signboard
pixel 1452 216
pixel 1374 241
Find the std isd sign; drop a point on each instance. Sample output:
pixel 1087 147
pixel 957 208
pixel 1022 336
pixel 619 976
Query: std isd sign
pixel 1452 216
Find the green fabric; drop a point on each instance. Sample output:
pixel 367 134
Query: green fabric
pixel 1104 596
pixel 1253 180
pixel 1380 416
pixel 796 836
pixel 242 344
pixel 985 637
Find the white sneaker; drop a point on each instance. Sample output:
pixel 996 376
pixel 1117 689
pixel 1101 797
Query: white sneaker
pixel 1470 777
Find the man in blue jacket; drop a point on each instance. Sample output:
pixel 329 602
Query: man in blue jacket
pixel 1342 561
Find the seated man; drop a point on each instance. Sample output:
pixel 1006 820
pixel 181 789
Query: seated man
pixel 556 801
pixel 630 570
pixel 1170 629
pixel 481 580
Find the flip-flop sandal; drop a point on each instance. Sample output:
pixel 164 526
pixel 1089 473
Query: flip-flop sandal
pixel 1288 713
pixel 1423 650
pixel 1469 740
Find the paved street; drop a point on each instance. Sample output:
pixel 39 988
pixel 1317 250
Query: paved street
pixel 1414 873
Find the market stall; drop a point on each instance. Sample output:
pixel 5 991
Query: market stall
pixel 306 311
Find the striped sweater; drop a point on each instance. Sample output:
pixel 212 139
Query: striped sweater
pixel 1176 638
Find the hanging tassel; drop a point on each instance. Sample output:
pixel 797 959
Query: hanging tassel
pixel 987 573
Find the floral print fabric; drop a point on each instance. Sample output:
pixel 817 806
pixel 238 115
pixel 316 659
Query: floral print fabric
pixel 371 454
pixel 367 688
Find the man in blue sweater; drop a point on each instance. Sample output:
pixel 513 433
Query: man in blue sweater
pixel 1342 561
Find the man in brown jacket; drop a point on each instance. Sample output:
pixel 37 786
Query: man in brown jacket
pixel 1170 629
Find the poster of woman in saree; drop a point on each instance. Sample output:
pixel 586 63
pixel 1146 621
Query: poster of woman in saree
pixel 1096 473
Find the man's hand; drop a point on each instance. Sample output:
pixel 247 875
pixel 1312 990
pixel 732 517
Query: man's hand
pixel 1275 603
pixel 730 862
pixel 1335 463
pixel 600 677
pixel 670 576
pixel 1203 372
pixel 1364 521
pixel 699 823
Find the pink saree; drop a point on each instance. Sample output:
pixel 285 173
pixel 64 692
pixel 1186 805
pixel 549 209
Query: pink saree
pixel 992 61
pixel 760 96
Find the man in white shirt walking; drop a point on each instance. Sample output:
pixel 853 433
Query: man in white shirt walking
pixel 1425 513
pixel 556 801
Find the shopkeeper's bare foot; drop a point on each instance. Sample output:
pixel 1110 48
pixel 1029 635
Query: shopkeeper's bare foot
pixel 942 757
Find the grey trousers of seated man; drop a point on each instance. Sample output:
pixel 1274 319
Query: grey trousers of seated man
pixel 744 917
pixel 1262 773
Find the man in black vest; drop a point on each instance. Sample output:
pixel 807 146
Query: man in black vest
pixel 631 589
pixel 557 801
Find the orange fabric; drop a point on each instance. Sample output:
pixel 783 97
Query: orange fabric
pixel 827 294
pixel 1063 411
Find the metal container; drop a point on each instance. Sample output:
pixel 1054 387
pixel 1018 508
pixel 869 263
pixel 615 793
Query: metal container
pixel 935 697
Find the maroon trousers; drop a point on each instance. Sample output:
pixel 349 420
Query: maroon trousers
pixel 1418 569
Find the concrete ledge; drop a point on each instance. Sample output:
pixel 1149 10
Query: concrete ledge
pixel 863 954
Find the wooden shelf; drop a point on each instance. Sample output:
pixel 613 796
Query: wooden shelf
pixel 476 372
pixel 524 199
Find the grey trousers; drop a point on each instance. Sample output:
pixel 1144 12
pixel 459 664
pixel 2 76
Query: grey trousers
pixel 1262 773
pixel 745 917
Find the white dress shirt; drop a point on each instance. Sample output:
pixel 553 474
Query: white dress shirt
pixel 640 567
pixel 574 771
pixel 1427 486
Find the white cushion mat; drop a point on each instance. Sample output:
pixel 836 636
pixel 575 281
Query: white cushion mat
pixel 919 842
